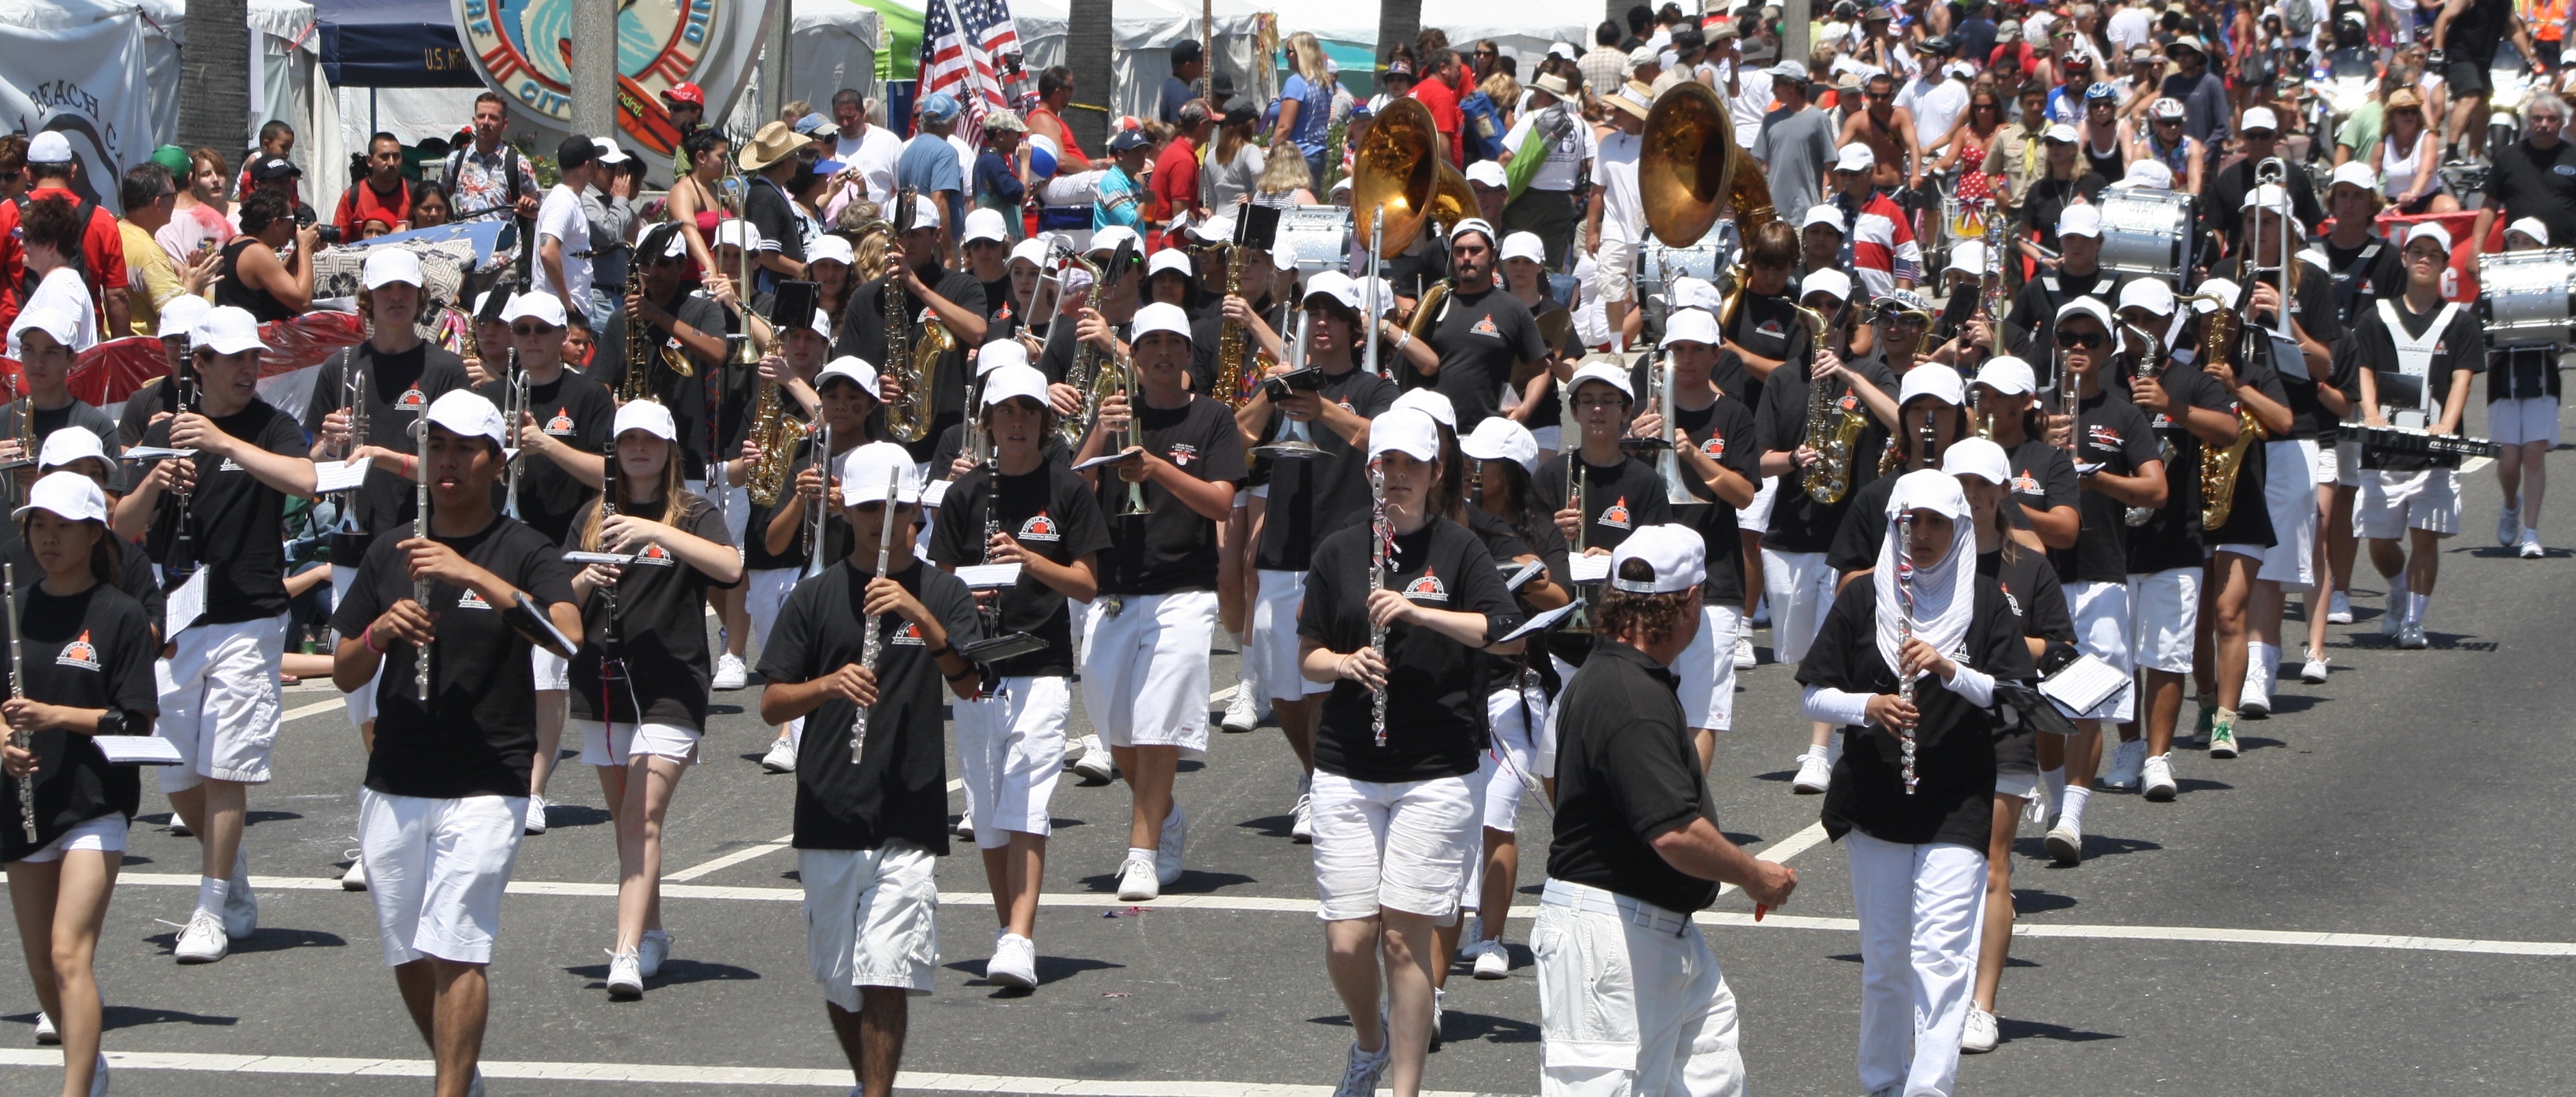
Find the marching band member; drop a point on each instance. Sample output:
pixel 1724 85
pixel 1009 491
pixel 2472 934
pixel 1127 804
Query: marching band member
pixel 1721 460
pixel 1480 330
pixel 780 556
pixel 872 805
pixel 441 812
pixel 1031 509
pixel 1394 816
pixel 1308 498
pixel 2435 347
pixel 2237 547
pixel 1236 539
pixel 2079 273
pixel 641 678
pixel 929 293
pixel 2044 483
pixel 1767 335
pixel 984 254
pixel 212 520
pixel 1145 672
pixel 158 398
pixel 1917 850
pixel 1931 416
pixel 2522 414
pixel 88 650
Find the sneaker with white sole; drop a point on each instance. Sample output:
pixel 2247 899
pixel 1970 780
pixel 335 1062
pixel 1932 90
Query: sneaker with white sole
pixel 625 977
pixel 1174 841
pixel 964 828
pixel 2508 523
pixel 356 878
pixel 2254 702
pixel 1439 1013
pixel 46 1033
pixel 1241 714
pixel 781 757
pixel 1493 961
pixel 241 909
pixel 1073 748
pixel 2529 546
pixel 2313 672
pixel 730 672
pixel 1014 962
pixel 1301 820
pixel 2222 738
pixel 1814 773
pixel 2156 779
pixel 1136 881
pixel 203 941
pixel 1978 1036
pixel 2393 618
pixel 650 951
pixel 2339 608
pixel 2410 637
pixel 2065 842
pixel 1744 658
pixel 535 823
pixel 1360 1076
pixel 1094 765
pixel 179 828
pixel 2126 759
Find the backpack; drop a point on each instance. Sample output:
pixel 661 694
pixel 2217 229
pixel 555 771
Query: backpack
pixel 1484 127
pixel 456 163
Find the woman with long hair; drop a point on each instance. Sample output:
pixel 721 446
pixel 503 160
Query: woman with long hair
pixel 1971 143
pixel 694 203
pixel 1232 170
pixel 833 265
pixel 2410 160
pixel 1285 183
pixel 1306 104
pixel 640 681
pixel 88 651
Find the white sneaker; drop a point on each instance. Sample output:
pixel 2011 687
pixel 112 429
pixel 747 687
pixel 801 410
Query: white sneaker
pixel 356 878
pixel 2508 522
pixel 1744 659
pixel 2392 619
pixel 1493 961
pixel 1241 715
pixel 536 820
pixel 2126 759
pixel 1439 1011
pixel 2034 811
pixel 2313 672
pixel 650 951
pixel 203 942
pixel 2530 545
pixel 475 1089
pixel 46 1033
pixel 1978 1037
pixel 241 910
pixel 965 827
pixel 2339 608
pixel 1814 773
pixel 2255 701
pixel 2156 780
pixel 2410 637
pixel 2065 843
pixel 1301 824
pixel 178 828
pixel 1360 1077
pixel 1074 750
pixel 1175 839
pixel 98 1077
pixel 730 673
pixel 1014 962
pixel 1094 764
pixel 625 977
pixel 781 757
pixel 1137 883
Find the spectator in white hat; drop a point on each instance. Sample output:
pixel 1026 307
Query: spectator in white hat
pixel 1881 243
pixel 94 239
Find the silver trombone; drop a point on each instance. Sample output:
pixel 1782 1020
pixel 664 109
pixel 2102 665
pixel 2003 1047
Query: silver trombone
pixel 354 382
pixel 1677 487
pixel 1296 441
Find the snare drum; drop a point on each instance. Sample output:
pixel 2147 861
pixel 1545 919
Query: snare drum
pixel 2526 298
pixel 2146 232
pixel 1312 239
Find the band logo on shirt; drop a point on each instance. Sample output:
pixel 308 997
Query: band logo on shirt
pixel 1486 326
pixel 1427 588
pixel 1039 527
pixel 412 399
pixel 471 600
pixel 1616 514
pixel 2025 483
pixel 79 653
pixel 1183 453
pixel 1715 448
pixel 229 465
pixel 561 424
pixel 2102 437
pixel 909 635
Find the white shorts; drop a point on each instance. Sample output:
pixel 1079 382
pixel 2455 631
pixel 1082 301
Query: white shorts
pixel 2019 786
pixel 2102 628
pixel 2518 422
pixel 1145 671
pixel 2290 495
pixel 1614 275
pixel 1627 1005
pixel 616 744
pixel 1800 586
pixel 436 870
pixel 871 919
pixel 219 701
pixel 2165 607
pixel 2347 464
pixel 1271 647
pixel 360 704
pixel 736 505
pixel 553 672
pixel 1010 748
pixel 2394 502
pixel 1707 669
pixel 1507 769
pixel 1756 515
pixel 105 834
pixel 1398 846
pixel 763 593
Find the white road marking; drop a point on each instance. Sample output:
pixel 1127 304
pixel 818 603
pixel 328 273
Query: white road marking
pixel 1786 848
pixel 728 860
pixel 316 708
pixel 2474 464
pixel 838 1080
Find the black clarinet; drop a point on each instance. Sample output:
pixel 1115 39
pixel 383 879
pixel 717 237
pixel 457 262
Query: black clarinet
pixel 183 549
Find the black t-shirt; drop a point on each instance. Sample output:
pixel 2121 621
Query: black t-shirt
pixel 685 396
pixel 660 631
pixel 1052 513
pixel 156 397
pixel 1480 337
pixel 755 549
pixel 2364 274
pixel 2043 479
pixel 1207 331
pixel 233 520
pixel 1626 774
pixel 401 388
pixel 2116 436
pixel 2171 537
pixel 864 335
pixel 1723 430
pixel 2314 308
pixel 1001 309
pixel 2249 519
pixel 2475 34
pixel 480 731
pixel 2224 210
pixel 1798 522
pixel 2039 603
pixel 134 568
pixel 898 790
pixel 1617 499
pixel 765 204
pixel 1768 326
pixel 1954 755
pixel 1436 686
pixel 1171 548
pixel 2033 317
pixel 577 411
pixel 2462 346
pixel 1507 545
pixel 93 649
pixel 1863 528
pixel 1055 359
pixel 1410 274
pixel 1317 495
pixel 2529 181
pixel 2049 197
pixel 77 413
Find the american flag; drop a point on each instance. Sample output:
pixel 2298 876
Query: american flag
pixel 962 42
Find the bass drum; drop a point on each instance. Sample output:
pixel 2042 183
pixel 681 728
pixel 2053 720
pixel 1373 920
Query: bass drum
pixel 2147 232
pixel 2526 298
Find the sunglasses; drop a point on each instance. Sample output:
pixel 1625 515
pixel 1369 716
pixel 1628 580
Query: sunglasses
pixel 2076 340
pixel 525 330
pixel 1881 95
pixel 2168 121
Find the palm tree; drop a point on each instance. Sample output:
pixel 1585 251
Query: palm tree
pixel 214 95
pixel 1086 52
pixel 1397 22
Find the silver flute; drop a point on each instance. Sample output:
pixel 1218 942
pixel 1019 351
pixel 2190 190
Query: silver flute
pixel 420 530
pixel 869 647
pixel 1905 639
pixel 17 689
pixel 1381 546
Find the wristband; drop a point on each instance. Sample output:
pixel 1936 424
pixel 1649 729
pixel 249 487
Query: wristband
pixel 367 636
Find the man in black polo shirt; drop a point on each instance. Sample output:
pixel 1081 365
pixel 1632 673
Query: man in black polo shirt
pixel 1479 331
pixel 2536 176
pixel 1637 848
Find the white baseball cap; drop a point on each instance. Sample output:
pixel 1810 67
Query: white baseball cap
pixel 1214 230
pixel 1335 285
pixel 1829 281
pixel 2007 376
pixel 1004 351
pixel 1033 251
pixel 1409 431
pixel 67 445
pixel 2086 306
pixel 1170 259
pixel 2531 227
pixel 1476 225
pixel 1106 241
pixel 737 232
pixel 49 147
pixel 2427 230
pixel 53 318
pixel 1823 213
pixel 2259 118
pixel 984 224
pixel 1937 381
pixel 609 153
pixel 1690 326
pixel 227 330
pixel 1488 173
pixel 1605 368
pixel 1498 438
pixel 2219 288
pixel 1694 293
pixel 868 471
pixel 2356 173
pixel 1158 317
pixel 2061 133
pixel 69 495
pixel 2081 220
pixel 925 215
pixel 648 416
pixel 535 306
pixel 1855 157
pixel 821 325
pixel 1430 402
pixel 2151 294
pixel 467 415
pixel 390 264
pixel 1523 245
pixel 182 315
pixel 1969 256
pixel 1977 457
pixel 1676 553
pixel 1011 381
pixel 830 248
pixel 851 368
pixel 2147 175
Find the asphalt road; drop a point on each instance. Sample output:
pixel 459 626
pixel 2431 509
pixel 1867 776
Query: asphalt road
pixel 2338 911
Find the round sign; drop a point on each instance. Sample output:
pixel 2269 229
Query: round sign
pixel 523 49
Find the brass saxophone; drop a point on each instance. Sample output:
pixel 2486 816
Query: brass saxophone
pixel 1833 431
pixel 1231 338
pixel 776 433
pixel 639 352
pixel 915 365
pixel 1086 370
pixel 2219 465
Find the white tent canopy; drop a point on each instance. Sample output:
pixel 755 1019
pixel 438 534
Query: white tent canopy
pixel 1141 38
pixel 1524 28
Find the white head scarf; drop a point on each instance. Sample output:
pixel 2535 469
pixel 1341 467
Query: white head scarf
pixel 1943 597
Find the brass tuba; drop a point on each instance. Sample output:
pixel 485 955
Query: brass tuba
pixel 1399 178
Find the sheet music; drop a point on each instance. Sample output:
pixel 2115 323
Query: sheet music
pixel 1542 622
pixel 138 750
pixel 1519 576
pixel 934 491
pixel 1587 569
pixel 2287 358
pixel 2083 685
pixel 184 605
pixel 986 576
pixel 331 476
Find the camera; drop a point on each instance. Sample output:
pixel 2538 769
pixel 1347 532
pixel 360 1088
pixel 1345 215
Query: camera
pixel 328 234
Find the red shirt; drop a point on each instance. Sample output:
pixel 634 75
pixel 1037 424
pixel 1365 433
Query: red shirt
pixel 1436 94
pixel 1176 179
pixel 361 204
pixel 102 254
